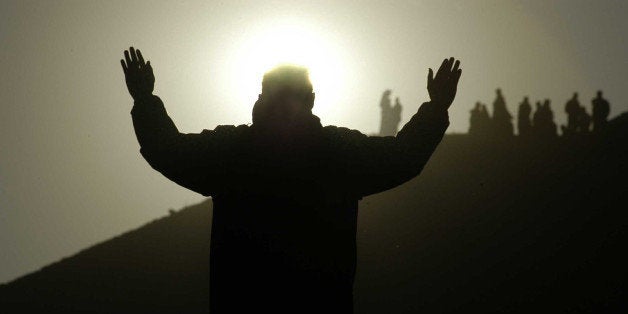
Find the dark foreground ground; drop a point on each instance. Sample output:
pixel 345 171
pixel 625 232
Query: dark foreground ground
pixel 489 226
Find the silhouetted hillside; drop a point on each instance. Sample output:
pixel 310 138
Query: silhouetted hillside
pixel 489 226
pixel 161 267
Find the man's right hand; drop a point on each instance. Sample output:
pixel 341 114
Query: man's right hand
pixel 139 74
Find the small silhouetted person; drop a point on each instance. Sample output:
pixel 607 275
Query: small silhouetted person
pixel 385 112
pixel 552 127
pixel 543 125
pixel 502 119
pixel 285 189
pixel 572 108
pixel 601 110
pixel 485 120
pixel 396 116
pixel 479 121
pixel 548 127
pixel 524 125
pixel 390 115
pixel 537 117
pixel 475 119
pixel 583 120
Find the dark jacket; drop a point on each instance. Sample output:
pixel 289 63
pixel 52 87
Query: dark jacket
pixel 284 221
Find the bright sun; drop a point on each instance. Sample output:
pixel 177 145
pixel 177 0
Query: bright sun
pixel 294 43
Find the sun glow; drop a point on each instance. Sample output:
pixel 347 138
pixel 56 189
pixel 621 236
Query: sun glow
pixel 292 43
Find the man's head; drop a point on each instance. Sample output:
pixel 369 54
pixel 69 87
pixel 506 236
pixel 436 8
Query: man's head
pixel 575 95
pixel 289 83
pixel 599 94
pixel 287 98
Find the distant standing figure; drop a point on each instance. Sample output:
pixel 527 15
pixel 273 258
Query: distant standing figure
pixel 572 108
pixel 547 121
pixel 475 119
pixel 502 119
pixel 543 121
pixel 479 121
pixel 524 125
pixel 391 116
pixel 583 121
pixel 601 110
pixel 537 117
pixel 485 121
pixel 396 116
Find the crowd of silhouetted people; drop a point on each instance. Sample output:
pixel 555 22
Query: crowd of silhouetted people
pixel 540 123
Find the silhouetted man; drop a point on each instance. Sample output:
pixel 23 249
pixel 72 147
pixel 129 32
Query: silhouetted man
pixel 524 125
pixel 396 116
pixel 572 108
pixel 601 110
pixel 537 118
pixel 485 120
pixel 385 113
pixel 502 119
pixel 548 126
pixel 285 189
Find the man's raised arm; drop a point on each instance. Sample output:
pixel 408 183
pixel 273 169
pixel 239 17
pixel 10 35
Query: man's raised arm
pixel 190 160
pixel 382 163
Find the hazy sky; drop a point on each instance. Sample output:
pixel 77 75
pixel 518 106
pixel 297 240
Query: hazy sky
pixel 70 171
